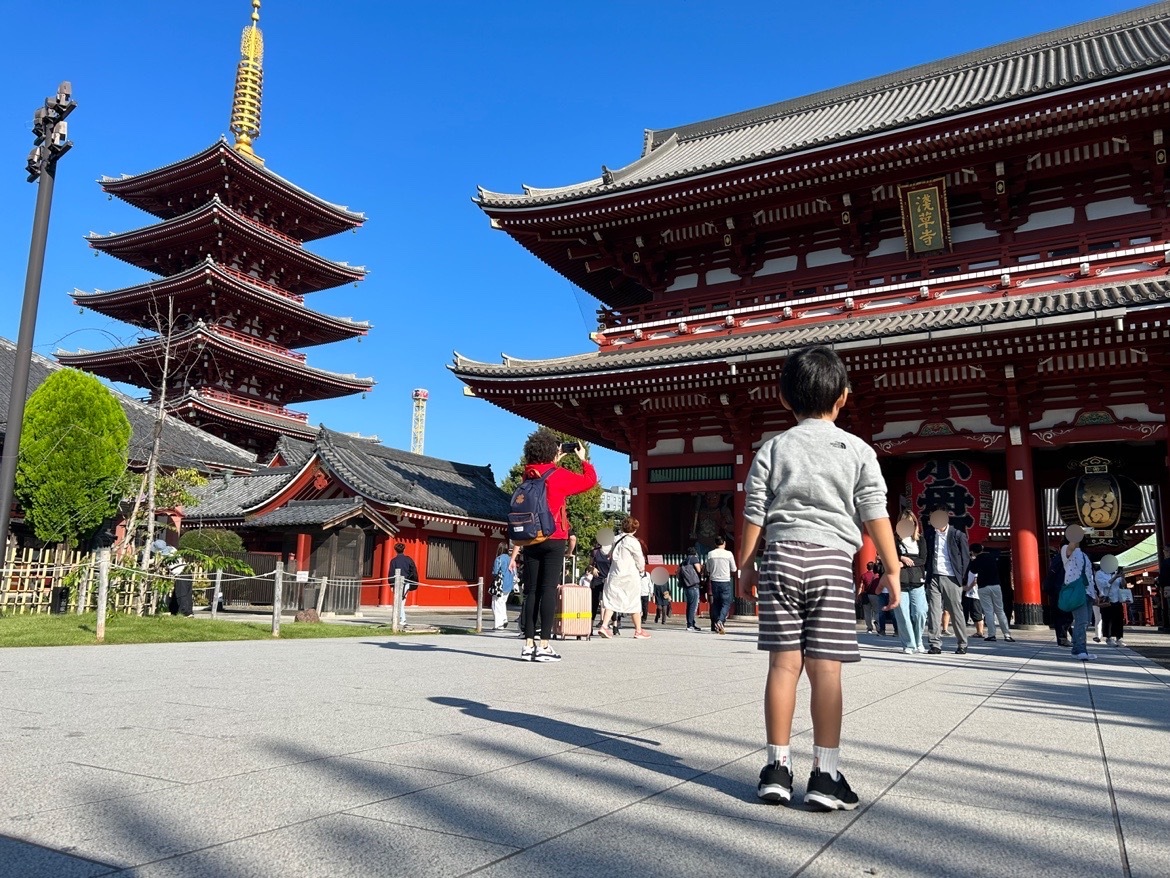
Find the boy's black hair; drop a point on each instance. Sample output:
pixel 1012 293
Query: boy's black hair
pixel 812 381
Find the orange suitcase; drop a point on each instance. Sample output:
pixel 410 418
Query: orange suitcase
pixel 574 612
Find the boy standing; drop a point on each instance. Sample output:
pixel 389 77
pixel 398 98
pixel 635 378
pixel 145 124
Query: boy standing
pixel 809 491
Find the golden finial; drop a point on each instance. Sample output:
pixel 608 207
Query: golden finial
pixel 245 124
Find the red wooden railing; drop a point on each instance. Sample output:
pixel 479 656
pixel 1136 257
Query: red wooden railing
pixel 254 404
pixel 268 346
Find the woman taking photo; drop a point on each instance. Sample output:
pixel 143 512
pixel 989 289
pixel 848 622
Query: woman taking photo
pixel 911 610
pixel 544 561
pixel 623 587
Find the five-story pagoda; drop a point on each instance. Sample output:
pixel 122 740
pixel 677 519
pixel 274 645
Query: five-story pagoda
pixel 225 319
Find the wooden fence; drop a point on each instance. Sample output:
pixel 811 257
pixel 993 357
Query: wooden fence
pixel 48 580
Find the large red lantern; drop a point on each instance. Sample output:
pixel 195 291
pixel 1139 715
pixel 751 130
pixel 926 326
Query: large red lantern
pixel 962 487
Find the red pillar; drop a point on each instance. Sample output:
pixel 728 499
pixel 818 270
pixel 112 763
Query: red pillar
pixel 304 551
pixel 385 592
pixel 1025 530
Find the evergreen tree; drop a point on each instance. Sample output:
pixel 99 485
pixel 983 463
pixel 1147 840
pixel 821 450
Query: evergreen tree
pixel 73 451
pixel 584 509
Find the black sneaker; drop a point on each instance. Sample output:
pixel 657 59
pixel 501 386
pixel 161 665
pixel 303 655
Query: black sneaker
pixel 991 639
pixel 1009 638
pixel 775 784
pixel 934 650
pixel 962 650
pixel 825 794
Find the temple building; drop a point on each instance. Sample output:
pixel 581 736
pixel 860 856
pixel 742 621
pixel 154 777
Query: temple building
pixel 983 240
pixel 336 505
pixel 226 318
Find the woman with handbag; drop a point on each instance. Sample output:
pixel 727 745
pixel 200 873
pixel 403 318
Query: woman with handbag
pixel 1109 581
pixel 623 587
pixel 911 610
pixel 1078 585
pixel 501 588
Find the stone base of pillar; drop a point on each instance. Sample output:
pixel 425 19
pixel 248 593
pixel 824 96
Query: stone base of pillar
pixel 743 607
pixel 1029 617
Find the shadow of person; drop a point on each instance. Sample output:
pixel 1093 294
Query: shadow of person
pixel 430 647
pixel 644 752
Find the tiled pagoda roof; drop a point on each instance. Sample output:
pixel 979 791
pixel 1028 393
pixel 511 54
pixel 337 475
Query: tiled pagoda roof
pixel 190 290
pixel 199 405
pixel 1106 48
pixel 216 230
pixel 179 187
pixel 182 444
pixel 134 363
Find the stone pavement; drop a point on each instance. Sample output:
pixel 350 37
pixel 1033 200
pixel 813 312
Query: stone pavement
pixel 445 755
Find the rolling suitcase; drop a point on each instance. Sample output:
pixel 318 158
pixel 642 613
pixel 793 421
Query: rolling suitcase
pixel 574 612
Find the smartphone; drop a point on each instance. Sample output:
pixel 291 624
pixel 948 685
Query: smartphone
pixel 570 447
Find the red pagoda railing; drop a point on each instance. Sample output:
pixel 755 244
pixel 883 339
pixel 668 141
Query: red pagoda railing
pixel 267 228
pixel 235 272
pixel 254 404
pixel 252 341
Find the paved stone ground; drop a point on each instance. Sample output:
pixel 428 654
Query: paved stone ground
pixel 446 755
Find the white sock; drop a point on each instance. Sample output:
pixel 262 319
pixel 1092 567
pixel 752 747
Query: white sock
pixel 778 754
pixel 825 759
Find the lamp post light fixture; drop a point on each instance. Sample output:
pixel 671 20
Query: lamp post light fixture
pixel 50 142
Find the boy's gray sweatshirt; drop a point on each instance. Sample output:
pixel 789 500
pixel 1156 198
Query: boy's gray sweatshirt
pixel 815 483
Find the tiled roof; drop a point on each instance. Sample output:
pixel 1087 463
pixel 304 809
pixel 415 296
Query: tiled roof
pixel 1110 47
pixel 890 328
pixel 143 189
pixel 300 325
pixel 327 513
pixel 227 498
pixel 413 481
pixel 222 410
pixel 303 512
pixel 135 363
pixel 385 476
pixel 182 444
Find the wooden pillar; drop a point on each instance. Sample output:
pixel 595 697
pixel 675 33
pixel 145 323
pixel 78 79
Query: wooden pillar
pixel 1025 527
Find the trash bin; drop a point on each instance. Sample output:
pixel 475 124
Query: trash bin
pixel 309 597
pixel 59 600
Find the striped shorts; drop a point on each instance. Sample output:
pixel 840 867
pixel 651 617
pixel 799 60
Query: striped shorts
pixel 806 603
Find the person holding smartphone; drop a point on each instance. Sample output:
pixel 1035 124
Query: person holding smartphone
pixel 544 561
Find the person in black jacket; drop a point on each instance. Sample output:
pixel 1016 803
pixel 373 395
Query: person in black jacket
pixel 1053 582
pixel 947 560
pixel 911 611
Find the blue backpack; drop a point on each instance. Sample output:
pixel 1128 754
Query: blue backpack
pixel 530 519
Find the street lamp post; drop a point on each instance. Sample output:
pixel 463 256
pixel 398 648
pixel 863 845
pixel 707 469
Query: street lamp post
pixel 51 141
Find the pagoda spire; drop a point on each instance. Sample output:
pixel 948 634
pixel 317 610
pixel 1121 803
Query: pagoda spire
pixel 245 124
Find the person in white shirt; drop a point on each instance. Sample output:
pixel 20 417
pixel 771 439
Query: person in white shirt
pixel 720 566
pixel 1076 566
pixel 1109 580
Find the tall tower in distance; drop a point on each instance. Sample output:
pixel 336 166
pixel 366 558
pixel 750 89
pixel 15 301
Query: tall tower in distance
pixel 223 325
pixel 418 424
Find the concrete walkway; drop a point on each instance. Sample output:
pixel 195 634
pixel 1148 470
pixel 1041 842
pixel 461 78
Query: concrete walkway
pixel 445 755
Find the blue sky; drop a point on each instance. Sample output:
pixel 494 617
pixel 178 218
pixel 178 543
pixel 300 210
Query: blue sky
pixel 399 110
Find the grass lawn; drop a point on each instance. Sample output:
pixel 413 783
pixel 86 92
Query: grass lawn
pixel 72 630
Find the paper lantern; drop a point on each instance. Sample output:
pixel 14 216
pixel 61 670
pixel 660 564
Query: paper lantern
pixel 961 486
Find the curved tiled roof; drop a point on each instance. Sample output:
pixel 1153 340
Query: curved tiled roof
pixel 893 327
pixel 413 481
pixel 227 498
pixel 1099 50
pixel 182 444
pixel 152 190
